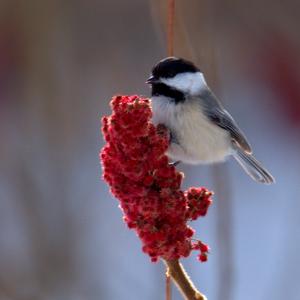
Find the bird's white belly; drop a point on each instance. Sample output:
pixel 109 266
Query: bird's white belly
pixel 198 140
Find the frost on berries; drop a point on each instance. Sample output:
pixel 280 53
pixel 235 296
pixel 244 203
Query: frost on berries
pixel 148 188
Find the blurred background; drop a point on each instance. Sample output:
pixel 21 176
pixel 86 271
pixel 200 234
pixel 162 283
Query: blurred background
pixel 61 232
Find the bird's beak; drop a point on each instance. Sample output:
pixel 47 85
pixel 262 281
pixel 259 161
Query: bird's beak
pixel 152 80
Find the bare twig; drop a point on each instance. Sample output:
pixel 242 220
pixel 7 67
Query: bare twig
pixel 170 43
pixel 174 268
pixel 183 282
pixel 168 284
pixel 170 36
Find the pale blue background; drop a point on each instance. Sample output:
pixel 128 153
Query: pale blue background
pixel 61 232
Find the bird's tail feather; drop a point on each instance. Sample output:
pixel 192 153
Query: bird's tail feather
pixel 253 167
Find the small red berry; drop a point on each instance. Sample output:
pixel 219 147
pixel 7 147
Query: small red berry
pixel 202 257
pixel 204 247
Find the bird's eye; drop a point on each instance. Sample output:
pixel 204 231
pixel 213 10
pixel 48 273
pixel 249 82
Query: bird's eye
pixel 171 74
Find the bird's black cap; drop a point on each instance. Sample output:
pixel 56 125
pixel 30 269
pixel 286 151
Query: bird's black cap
pixel 171 66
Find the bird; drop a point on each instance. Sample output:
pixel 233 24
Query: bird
pixel 201 130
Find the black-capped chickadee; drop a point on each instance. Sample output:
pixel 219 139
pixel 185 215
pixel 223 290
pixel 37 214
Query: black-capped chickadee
pixel 201 130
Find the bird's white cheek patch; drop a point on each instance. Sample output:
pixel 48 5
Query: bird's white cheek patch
pixel 198 83
pixel 191 83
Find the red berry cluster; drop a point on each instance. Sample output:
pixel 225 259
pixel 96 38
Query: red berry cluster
pixel 198 202
pixel 147 186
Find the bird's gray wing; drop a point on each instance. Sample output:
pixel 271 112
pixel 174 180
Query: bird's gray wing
pixel 214 110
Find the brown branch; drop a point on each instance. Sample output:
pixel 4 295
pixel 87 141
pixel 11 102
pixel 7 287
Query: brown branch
pixel 174 269
pixel 170 35
pixel 170 43
pixel 183 282
pixel 168 285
